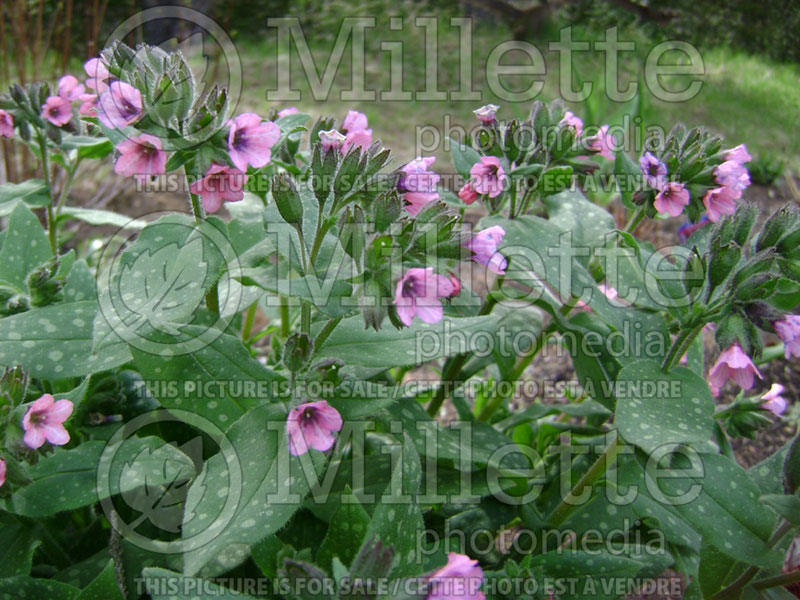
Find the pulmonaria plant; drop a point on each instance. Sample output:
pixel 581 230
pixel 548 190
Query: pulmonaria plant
pixel 245 373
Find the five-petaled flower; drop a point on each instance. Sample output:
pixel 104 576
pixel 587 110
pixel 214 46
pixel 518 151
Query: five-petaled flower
pixel 357 135
pixel 45 421
pixel 570 119
pixel 418 293
pixel 220 184
pixel 672 198
pixel 312 425
pixel 57 110
pixel 487 176
pixel 738 154
pixel 486 113
pixel 467 193
pixel 120 105
pixel 788 329
pixel 141 157
pixel 98 75
pixel 484 248
pixel 603 143
pixel 417 184
pixel 654 171
pixel 250 141
pixel 734 364
pixel 6 124
pixel 460 579
pixel 69 88
pixel 773 401
pixel 719 201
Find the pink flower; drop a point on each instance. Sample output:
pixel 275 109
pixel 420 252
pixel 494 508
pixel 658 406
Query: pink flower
pixel 672 198
pixel 357 139
pixel 468 194
pixel 487 176
pixel 456 285
pixel 418 292
pixel 486 113
pixel 221 184
pixel 773 401
pixel 69 88
pixel 654 171
pixel 44 421
pixel 57 110
pixel 88 105
pixel 788 330
pixel 331 138
pixel 733 175
pixel 720 201
pixel 460 579
pixel 417 184
pixel 250 141
pixel 289 110
pixel 119 106
pixel 734 364
pixel 141 156
pixel 603 143
pixel 738 154
pixel 484 248
pixel 571 120
pixel 98 75
pixel 686 230
pixel 355 121
pixel 2 472
pixel 312 425
pixel 608 291
pixel 6 124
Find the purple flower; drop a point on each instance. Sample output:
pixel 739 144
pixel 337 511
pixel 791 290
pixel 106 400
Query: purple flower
pixel 654 171
pixel 418 292
pixel 45 421
pixel 312 425
pixel 141 156
pixel 57 110
pixel 221 184
pixel 734 364
pixel 603 143
pixel 98 75
pixel 773 401
pixel 6 124
pixel 484 248
pixel 250 141
pixel 88 105
pixel 2 472
pixel 788 330
pixel 731 174
pixel 738 154
pixel 119 106
pixel 417 184
pixel 331 139
pixel 355 121
pixel 571 120
pixel 686 230
pixel 460 579
pixel 487 176
pixel 289 110
pixel 719 201
pixel 486 113
pixel 69 88
pixel 672 198
pixel 468 194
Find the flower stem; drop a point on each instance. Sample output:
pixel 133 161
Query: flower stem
pixel 635 220
pixel 784 579
pixel 249 318
pixel 284 310
pixel 600 466
pixel 52 234
pixel 325 332
pixel 679 347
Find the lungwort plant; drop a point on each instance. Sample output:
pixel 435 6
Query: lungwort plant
pixel 202 406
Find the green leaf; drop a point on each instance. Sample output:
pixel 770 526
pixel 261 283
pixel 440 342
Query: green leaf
pixel 18 540
pixel 420 342
pixel 69 479
pixel 103 587
pixel 464 158
pixel 571 211
pixel 95 216
pixel 33 192
pixel 345 534
pixel 786 506
pixel 55 341
pixel 88 147
pixel 589 569
pixel 160 583
pixel 555 180
pixel 223 359
pixel 243 496
pixel 331 296
pixel 28 587
pixel 25 247
pixel 627 175
pixel 656 408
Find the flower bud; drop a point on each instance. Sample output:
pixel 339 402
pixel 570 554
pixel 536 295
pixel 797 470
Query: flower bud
pixel 297 351
pixel 287 199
